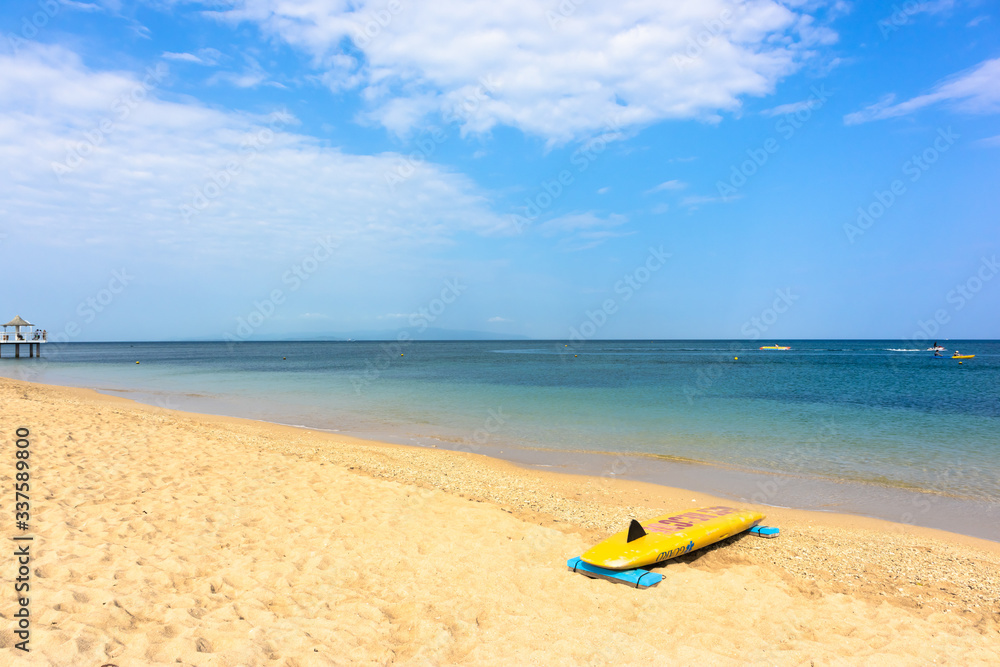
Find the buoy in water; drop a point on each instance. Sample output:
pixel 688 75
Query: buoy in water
pixel 958 362
pixel 736 358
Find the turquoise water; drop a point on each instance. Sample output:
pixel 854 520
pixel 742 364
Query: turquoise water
pixel 879 412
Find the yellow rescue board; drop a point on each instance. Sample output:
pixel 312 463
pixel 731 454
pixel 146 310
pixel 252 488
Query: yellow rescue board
pixel 671 535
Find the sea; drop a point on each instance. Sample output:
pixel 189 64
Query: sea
pixel 879 428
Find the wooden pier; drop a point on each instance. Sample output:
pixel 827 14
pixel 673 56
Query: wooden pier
pixel 32 337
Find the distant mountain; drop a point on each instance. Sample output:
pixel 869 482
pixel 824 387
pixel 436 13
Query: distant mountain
pixel 433 333
pixel 430 333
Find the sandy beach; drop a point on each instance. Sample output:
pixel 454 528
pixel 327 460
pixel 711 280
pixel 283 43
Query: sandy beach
pixel 162 537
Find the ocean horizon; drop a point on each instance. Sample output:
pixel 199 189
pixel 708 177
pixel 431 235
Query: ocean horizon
pixel 867 417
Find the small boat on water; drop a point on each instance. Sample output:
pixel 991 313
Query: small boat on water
pixel 775 347
pixel 957 355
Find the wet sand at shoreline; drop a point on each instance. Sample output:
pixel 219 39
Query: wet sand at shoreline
pixel 164 537
pixel 804 489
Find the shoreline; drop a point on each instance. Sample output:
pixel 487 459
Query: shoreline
pixel 171 535
pixel 777 490
pixel 621 482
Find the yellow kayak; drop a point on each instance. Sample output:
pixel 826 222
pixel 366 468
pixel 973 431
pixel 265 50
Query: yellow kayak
pixel 775 347
pixel 669 536
pixel 962 356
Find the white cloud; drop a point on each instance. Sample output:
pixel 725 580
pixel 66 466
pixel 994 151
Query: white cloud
pixel 695 201
pixel 522 63
pixel 932 7
pixel 793 107
pixel 207 56
pixel 81 6
pixel 588 239
pixel 672 185
pixel 579 221
pixel 498 319
pixel 245 79
pixel 991 142
pixel 581 231
pixel 96 157
pixel 185 57
pixel 252 76
pixel 976 91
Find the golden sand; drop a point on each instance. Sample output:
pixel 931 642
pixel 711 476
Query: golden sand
pixel 169 538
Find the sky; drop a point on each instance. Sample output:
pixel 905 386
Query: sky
pixel 258 169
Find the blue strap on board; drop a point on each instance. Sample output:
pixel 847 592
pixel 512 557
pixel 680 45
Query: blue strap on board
pixel 640 578
pixel 637 578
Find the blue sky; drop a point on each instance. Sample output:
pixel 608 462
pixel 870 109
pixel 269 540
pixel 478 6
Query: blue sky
pixel 261 168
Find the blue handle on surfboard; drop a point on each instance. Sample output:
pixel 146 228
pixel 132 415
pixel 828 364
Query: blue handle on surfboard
pixel 637 578
pixel 764 531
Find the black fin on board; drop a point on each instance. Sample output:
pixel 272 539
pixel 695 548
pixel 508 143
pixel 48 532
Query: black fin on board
pixel 635 531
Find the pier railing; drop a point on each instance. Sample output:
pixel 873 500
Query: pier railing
pixel 24 337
